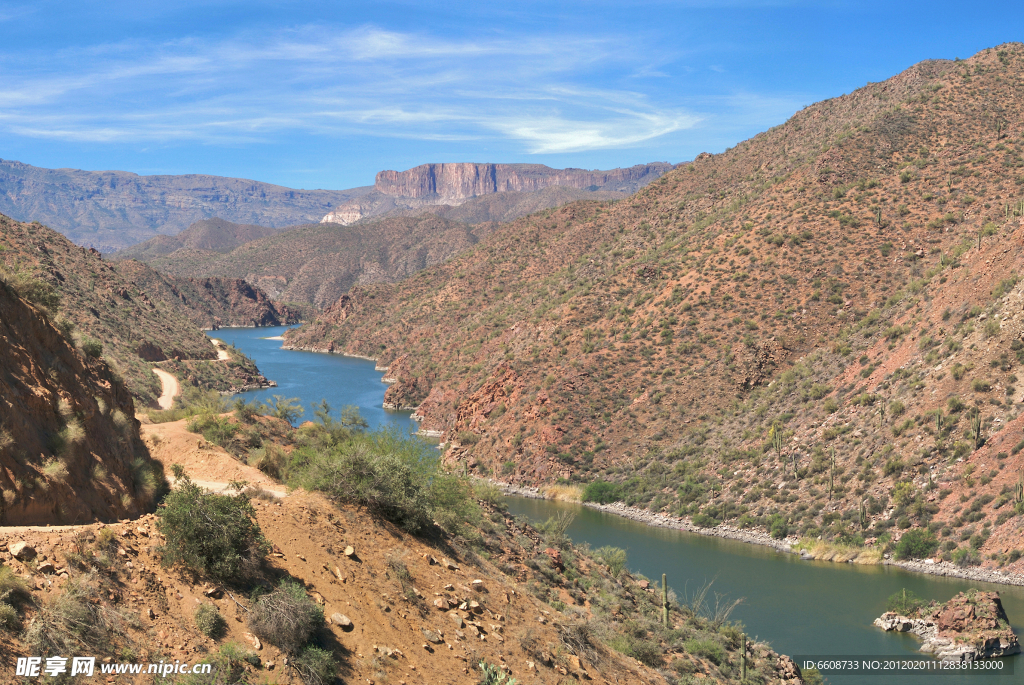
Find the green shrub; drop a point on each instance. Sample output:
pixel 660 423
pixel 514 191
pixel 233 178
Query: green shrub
pixel 904 603
pixel 706 649
pixel 215 429
pixel 778 528
pixel 286 617
pixel 287 408
pixel 966 556
pixel 316 666
pixel 613 557
pixel 209 621
pixel 213 534
pixel 602 492
pixel 918 543
pixel 395 478
pixel 704 520
pixel 92 348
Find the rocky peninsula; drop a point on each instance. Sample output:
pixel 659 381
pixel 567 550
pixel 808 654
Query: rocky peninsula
pixel 970 626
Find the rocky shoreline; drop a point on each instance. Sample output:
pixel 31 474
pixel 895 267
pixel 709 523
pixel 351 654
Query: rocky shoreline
pixel 941 568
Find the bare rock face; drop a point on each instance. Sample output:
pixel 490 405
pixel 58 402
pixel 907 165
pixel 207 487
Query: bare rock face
pixel 454 184
pixel 970 626
pixel 465 180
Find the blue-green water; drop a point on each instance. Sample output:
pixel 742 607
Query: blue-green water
pixel 801 607
pixel 313 376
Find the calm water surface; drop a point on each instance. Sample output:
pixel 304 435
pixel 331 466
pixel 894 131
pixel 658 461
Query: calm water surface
pixel 801 607
pixel 313 376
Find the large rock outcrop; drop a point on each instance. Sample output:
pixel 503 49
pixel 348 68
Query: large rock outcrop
pixel 432 186
pixel 462 181
pixel 970 626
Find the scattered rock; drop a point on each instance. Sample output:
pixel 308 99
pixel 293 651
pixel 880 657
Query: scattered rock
pixel 432 636
pixel 21 550
pixel 46 568
pixel 343 621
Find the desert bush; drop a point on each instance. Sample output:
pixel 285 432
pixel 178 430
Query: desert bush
pixel 287 408
pixel 74 622
pixel 192 402
pixel 316 666
pixel 580 638
pixel 209 621
pixel 270 459
pixel 286 617
pixel 91 348
pixel 965 556
pixel 393 477
pixel 612 557
pixel 918 543
pixel 215 429
pixel 602 492
pixel 214 534
pixel 32 289
pixel 706 649
pixel 904 603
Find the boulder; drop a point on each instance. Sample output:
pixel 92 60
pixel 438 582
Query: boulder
pixel 21 550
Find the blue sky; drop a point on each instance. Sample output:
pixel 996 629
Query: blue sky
pixel 324 95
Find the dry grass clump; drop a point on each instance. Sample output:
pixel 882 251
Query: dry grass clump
pixel 76 621
pixel 286 617
pixel 565 493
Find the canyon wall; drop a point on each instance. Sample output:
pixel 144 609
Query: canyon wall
pixel 462 181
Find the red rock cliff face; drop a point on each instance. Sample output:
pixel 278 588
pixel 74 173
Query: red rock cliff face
pixel 465 180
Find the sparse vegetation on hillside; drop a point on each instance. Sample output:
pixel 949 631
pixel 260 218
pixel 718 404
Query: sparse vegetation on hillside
pixel 811 333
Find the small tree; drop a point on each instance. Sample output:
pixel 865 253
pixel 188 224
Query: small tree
pixel 213 534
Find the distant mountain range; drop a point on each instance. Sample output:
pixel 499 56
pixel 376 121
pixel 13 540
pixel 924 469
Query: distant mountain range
pixel 110 210
pixel 113 210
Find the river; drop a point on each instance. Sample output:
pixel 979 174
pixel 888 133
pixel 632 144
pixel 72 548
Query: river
pixel 314 376
pixel 803 608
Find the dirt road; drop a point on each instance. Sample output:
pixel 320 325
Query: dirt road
pixel 170 391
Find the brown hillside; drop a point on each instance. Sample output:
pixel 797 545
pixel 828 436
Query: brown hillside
pixel 211 303
pixel 317 264
pixel 214 234
pixel 99 302
pixel 860 257
pixel 70 450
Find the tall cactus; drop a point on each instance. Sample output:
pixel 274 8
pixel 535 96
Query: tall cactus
pixel 976 428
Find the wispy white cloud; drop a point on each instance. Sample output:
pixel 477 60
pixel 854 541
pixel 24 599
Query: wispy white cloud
pixel 534 91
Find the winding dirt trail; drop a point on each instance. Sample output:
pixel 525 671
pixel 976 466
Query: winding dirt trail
pixel 170 391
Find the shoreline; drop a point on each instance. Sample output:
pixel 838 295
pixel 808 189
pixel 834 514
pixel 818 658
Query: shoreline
pixel 926 566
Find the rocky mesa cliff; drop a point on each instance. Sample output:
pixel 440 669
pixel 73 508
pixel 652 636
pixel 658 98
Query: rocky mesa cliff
pixel 431 185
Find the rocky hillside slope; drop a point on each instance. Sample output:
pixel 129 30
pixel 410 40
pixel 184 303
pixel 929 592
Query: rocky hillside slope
pixel 317 264
pixel 105 311
pixel 211 303
pixel 109 210
pixel 450 185
pixel 817 331
pixel 215 235
pixel 70 449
